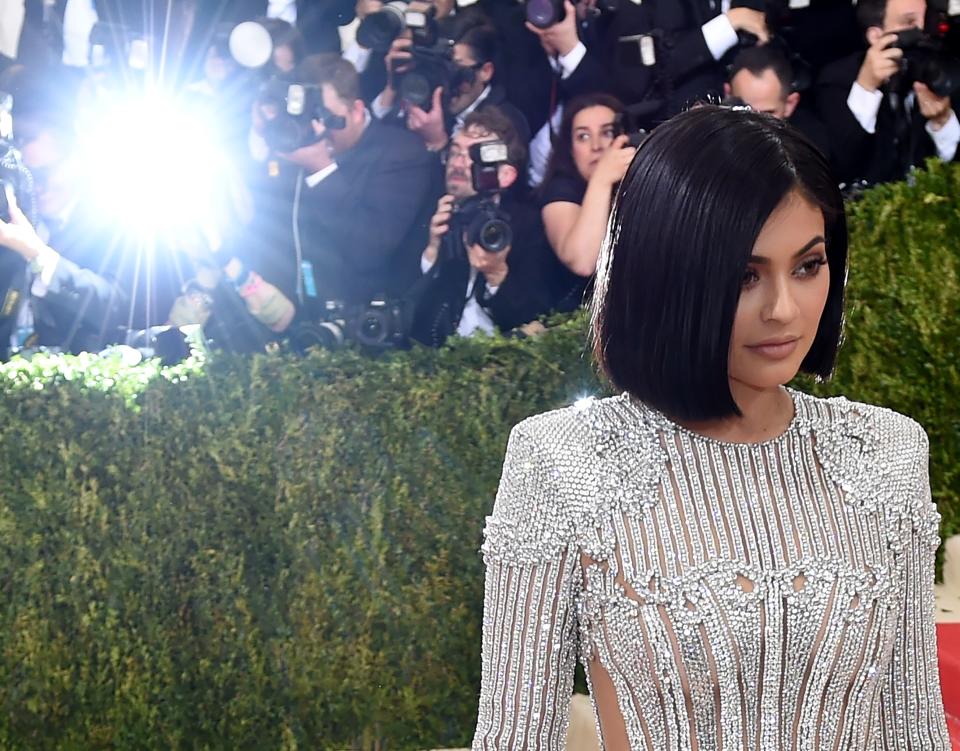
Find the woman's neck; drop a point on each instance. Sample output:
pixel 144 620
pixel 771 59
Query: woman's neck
pixel 765 413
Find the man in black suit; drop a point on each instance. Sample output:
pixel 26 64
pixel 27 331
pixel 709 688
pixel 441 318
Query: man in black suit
pixel 881 123
pixel 664 54
pixel 53 292
pixel 474 54
pixel 467 288
pixel 763 78
pixel 364 201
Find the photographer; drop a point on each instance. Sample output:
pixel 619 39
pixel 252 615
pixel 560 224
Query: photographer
pixel 51 296
pixel 883 118
pixel 666 53
pixel 763 79
pixel 483 265
pixel 364 196
pixel 589 160
pixel 467 86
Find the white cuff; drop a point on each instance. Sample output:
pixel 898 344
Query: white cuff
pixel 426 265
pixel 318 177
pixel 567 64
pixel 946 138
pixel 378 108
pixel 44 265
pixel 864 105
pixel 491 291
pixel 719 35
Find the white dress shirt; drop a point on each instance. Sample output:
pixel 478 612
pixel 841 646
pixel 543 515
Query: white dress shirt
pixel 79 17
pixel 285 10
pixel 474 318
pixel 866 104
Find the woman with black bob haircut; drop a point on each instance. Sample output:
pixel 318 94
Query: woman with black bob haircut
pixel 667 289
pixel 737 564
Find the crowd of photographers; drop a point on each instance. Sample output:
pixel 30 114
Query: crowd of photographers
pixel 412 171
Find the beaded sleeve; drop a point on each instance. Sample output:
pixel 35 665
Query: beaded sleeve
pixel 911 706
pixel 529 619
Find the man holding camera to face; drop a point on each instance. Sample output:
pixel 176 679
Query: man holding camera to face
pixel 484 261
pixel 434 89
pixel 887 110
pixel 364 195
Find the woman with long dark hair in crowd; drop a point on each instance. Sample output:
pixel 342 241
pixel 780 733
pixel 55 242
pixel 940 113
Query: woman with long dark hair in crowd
pixel 740 564
pixel 589 159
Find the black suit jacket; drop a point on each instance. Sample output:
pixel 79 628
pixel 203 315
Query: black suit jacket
pixel 522 297
pixel 360 225
pixel 899 141
pixel 81 310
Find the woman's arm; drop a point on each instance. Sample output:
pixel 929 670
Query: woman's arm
pixel 911 708
pixel 576 232
pixel 529 618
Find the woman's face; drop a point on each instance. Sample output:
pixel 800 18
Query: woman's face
pixel 594 129
pixel 783 293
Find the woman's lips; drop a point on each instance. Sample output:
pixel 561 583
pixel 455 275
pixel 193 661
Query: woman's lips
pixel 775 350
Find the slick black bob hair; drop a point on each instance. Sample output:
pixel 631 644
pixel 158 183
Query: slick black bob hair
pixel 683 227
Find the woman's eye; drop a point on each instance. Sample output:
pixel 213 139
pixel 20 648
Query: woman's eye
pixel 582 137
pixel 749 278
pixel 811 267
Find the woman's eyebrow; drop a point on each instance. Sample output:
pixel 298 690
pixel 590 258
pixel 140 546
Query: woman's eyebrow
pixel 814 241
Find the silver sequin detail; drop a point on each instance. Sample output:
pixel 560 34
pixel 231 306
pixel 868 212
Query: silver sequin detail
pixel 764 596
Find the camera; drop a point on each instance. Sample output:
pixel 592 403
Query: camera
pixel 484 223
pixel 628 123
pixel 925 60
pixel 479 217
pixel 378 325
pixel 378 30
pixel 431 67
pixel 545 13
pixel 297 105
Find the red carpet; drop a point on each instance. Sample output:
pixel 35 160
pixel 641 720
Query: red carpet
pixel 948 641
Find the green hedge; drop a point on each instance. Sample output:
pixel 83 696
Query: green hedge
pixel 282 553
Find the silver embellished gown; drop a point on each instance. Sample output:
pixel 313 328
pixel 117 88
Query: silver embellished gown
pixel 770 596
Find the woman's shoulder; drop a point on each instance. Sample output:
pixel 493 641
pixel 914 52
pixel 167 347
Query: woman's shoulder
pixel 563 187
pixel 885 429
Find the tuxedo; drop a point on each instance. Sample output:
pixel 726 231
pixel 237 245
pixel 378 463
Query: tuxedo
pixel 362 223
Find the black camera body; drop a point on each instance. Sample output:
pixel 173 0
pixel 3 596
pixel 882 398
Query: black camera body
pixel 926 60
pixel 430 68
pixel 381 324
pixel 297 105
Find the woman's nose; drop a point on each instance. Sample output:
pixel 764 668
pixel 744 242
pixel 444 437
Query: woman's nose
pixel 781 304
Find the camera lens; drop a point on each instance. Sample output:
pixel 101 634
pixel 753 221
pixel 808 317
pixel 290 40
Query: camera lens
pixel 545 13
pixel 495 236
pixel 284 134
pixel 378 30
